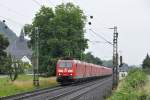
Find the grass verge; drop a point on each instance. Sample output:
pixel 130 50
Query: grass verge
pixel 131 88
pixel 146 89
pixel 24 83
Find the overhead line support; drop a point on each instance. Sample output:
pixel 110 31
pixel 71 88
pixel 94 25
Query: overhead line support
pixel 115 57
pixel 36 58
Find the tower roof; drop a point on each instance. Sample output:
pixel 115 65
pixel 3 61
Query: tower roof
pixel 18 46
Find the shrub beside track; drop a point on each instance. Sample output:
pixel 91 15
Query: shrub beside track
pixel 131 87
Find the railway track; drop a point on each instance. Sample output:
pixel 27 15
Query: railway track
pixel 21 96
pixel 71 92
pixel 77 92
pixel 81 93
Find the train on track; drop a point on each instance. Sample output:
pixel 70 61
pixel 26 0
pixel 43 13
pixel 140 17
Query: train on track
pixel 75 70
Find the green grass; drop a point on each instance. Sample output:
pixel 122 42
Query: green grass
pixel 24 77
pixel 146 88
pixel 131 88
pixel 23 83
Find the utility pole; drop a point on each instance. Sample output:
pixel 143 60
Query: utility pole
pixel 36 58
pixel 115 57
pixel 115 54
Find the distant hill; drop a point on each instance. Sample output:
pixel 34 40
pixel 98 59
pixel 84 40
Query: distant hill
pixel 7 32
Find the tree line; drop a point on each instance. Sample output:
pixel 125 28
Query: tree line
pixel 146 64
pixel 6 64
pixel 61 34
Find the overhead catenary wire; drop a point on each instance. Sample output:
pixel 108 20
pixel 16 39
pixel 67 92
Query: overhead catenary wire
pixel 100 36
pixel 13 11
pixel 88 15
pixel 51 3
pixel 75 2
pixel 8 19
pixel 93 35
pixel 85 12
pixel 91 17
pixel 97 42
pixel 108 34
pixel 35 1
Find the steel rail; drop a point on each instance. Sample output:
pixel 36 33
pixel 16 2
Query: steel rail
pixel 42 92
pixel 78 96
pixel 31 93
pixel 75 90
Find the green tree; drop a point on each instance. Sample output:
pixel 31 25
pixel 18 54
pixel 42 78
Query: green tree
pixel 88 57
pixel 61 33
pixel 6 60
pixel 108 63
pixel 3 55
pixel 12 67
pixel 146 62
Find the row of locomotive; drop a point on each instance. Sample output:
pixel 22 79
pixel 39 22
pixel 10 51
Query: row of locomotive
pixel 75 70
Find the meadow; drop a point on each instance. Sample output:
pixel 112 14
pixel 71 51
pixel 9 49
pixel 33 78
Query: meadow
pixel 23 83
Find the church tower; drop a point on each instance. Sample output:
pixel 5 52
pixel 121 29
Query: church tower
pixel 22 35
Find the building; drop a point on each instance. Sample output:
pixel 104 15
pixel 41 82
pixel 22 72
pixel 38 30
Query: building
pixel 18 47
pixel 123 71
pixel 124 68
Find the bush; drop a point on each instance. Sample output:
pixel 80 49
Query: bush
pixel 129 89
pixel 147 71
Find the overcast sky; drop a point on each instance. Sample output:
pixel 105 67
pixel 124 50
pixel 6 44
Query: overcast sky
pixel 131 16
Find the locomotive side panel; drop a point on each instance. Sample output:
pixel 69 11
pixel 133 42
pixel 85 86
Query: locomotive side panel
pixel 79 71
pixel 74 70
pixel 87 70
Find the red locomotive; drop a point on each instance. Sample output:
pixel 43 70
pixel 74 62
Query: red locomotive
pixel 75 70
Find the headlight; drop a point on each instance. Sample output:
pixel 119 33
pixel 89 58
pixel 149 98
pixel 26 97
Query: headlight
pixel 59 74
pixel 70 71
pixel 71 74
pixel 60 71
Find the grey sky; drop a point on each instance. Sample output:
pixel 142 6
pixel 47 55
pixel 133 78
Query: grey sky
pixel 131 16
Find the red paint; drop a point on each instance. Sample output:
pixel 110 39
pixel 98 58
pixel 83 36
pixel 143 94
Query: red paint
pixel 81 69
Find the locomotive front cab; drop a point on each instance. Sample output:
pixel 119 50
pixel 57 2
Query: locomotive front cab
pixel 65 71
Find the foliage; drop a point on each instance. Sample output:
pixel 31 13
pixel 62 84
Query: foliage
pixel 6 60
pixel 146 62
pixel 129 88
pixel 107 63
pixel 147 71
pixel 61 33
pixel 12 68
pixel 88 57
pixel 146 88
pixel 3 55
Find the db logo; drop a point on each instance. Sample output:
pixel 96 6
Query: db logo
pixel 65 70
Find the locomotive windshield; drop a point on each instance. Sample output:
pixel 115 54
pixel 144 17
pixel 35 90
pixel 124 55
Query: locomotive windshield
pixel 65 64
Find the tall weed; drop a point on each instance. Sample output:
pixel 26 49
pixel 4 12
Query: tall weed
pixel 129 89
